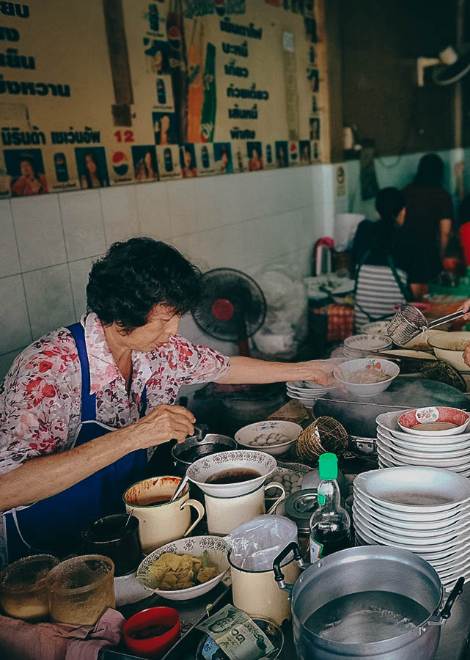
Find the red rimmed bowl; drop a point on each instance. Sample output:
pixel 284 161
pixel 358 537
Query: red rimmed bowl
pixel 151 632
pixel 427 421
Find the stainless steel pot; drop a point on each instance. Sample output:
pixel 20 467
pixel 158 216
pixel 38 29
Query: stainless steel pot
pixel 365 569
pixel 197 446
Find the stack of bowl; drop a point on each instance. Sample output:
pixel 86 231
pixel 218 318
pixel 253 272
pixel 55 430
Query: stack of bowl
pixel 425 510
pixel 359 346
pixel 306 391
pixel 398 443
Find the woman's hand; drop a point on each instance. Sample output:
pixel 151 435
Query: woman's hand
pixel 163 423
pixel 318 371
pixel 466 308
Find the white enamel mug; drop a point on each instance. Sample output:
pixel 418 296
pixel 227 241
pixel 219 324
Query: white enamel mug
pixel 161 521
pixel 226 513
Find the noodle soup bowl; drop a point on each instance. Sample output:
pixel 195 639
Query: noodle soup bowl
pixel 356 375
pixel 231 473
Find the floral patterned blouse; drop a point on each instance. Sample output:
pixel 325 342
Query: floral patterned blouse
pixel 40 397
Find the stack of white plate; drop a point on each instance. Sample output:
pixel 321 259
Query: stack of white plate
pixel 305 391
pixel 359 346
pixel 425 510
pixel 396 447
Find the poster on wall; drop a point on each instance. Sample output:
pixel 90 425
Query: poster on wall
pixel 108 92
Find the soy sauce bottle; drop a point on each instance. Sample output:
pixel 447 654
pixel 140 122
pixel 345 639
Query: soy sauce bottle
pixel 330 524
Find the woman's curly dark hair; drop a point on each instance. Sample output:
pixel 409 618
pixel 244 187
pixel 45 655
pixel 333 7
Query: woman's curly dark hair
pixel 134 276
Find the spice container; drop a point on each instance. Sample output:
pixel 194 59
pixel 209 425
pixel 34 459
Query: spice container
pixel 23 587
pixel 299 507
pixel 81 589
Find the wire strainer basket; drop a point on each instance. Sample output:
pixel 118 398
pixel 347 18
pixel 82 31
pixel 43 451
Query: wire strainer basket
pixel 409 321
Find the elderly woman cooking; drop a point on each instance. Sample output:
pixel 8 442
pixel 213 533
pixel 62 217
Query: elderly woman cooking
pixel 80 407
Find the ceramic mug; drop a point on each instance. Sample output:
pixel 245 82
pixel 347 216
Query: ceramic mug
pixel 161 521
pixel 226 513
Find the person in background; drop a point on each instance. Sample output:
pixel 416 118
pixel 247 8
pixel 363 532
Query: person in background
pixel 29 182
pixel 464 228
pixel 382 258
pixel 428 224
pixel 80 407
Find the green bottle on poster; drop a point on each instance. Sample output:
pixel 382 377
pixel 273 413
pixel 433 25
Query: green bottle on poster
pixel 210 100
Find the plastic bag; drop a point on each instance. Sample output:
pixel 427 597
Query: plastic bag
pixel 257 543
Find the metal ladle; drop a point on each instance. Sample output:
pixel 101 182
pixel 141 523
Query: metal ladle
pixel 409 322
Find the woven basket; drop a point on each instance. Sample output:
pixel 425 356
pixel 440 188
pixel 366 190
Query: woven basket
pixel 323 435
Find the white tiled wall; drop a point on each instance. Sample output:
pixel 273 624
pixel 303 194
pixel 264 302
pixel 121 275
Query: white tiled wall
pixel 246 221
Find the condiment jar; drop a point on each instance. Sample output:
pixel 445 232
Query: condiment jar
pixel 81 589
pixel 299 507
pixel 23 587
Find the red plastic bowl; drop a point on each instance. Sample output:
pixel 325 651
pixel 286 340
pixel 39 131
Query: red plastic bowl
pixel 152 647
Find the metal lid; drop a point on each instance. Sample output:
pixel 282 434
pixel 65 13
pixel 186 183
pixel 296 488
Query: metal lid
pixel 299 507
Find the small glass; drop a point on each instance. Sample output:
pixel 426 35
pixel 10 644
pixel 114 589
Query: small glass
pixel 81 589
pixel 24 587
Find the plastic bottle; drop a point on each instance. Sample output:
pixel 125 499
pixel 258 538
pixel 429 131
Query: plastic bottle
pixel 330 524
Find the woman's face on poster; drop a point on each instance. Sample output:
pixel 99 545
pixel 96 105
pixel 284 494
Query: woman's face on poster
pixel 187 157
pixel 165 123
pixel 90 164
pixel 26 168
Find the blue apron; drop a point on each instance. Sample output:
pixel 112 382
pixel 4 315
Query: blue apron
pixel 54 525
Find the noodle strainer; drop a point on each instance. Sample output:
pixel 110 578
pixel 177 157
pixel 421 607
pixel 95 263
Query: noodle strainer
pixel 409 321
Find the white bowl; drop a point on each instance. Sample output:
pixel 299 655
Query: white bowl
pixel 252 436
pixel 344 372
pixel 241 459
pixel 429 414
pixel 367 343
pixel 376 328
pixel 216 548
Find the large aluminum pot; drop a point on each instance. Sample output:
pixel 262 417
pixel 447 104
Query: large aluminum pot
pixel 196 446
pixel 363 569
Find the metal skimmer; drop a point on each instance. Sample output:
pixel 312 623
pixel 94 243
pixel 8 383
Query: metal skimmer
pixel 409 321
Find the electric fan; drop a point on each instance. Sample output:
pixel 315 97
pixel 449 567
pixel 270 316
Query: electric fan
pixel 232 306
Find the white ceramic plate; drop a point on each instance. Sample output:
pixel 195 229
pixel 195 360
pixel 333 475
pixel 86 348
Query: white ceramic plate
pixel 390 525
pixel 429 552
pixel 433 414
pixel 253 435
pixel 417 540
pixel 388 462
pixel 413 516
pixel 456 449
pixel 419 489
pixel 389 421
pixel 216 548
pixel 460 516
pixel 421 458
pixel 242 459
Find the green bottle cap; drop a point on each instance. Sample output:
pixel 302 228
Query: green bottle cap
pixel 328 466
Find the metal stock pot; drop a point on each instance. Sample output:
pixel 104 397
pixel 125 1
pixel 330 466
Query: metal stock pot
pixel 367 569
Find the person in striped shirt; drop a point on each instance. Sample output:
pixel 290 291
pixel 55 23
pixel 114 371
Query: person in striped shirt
pixel 382 255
